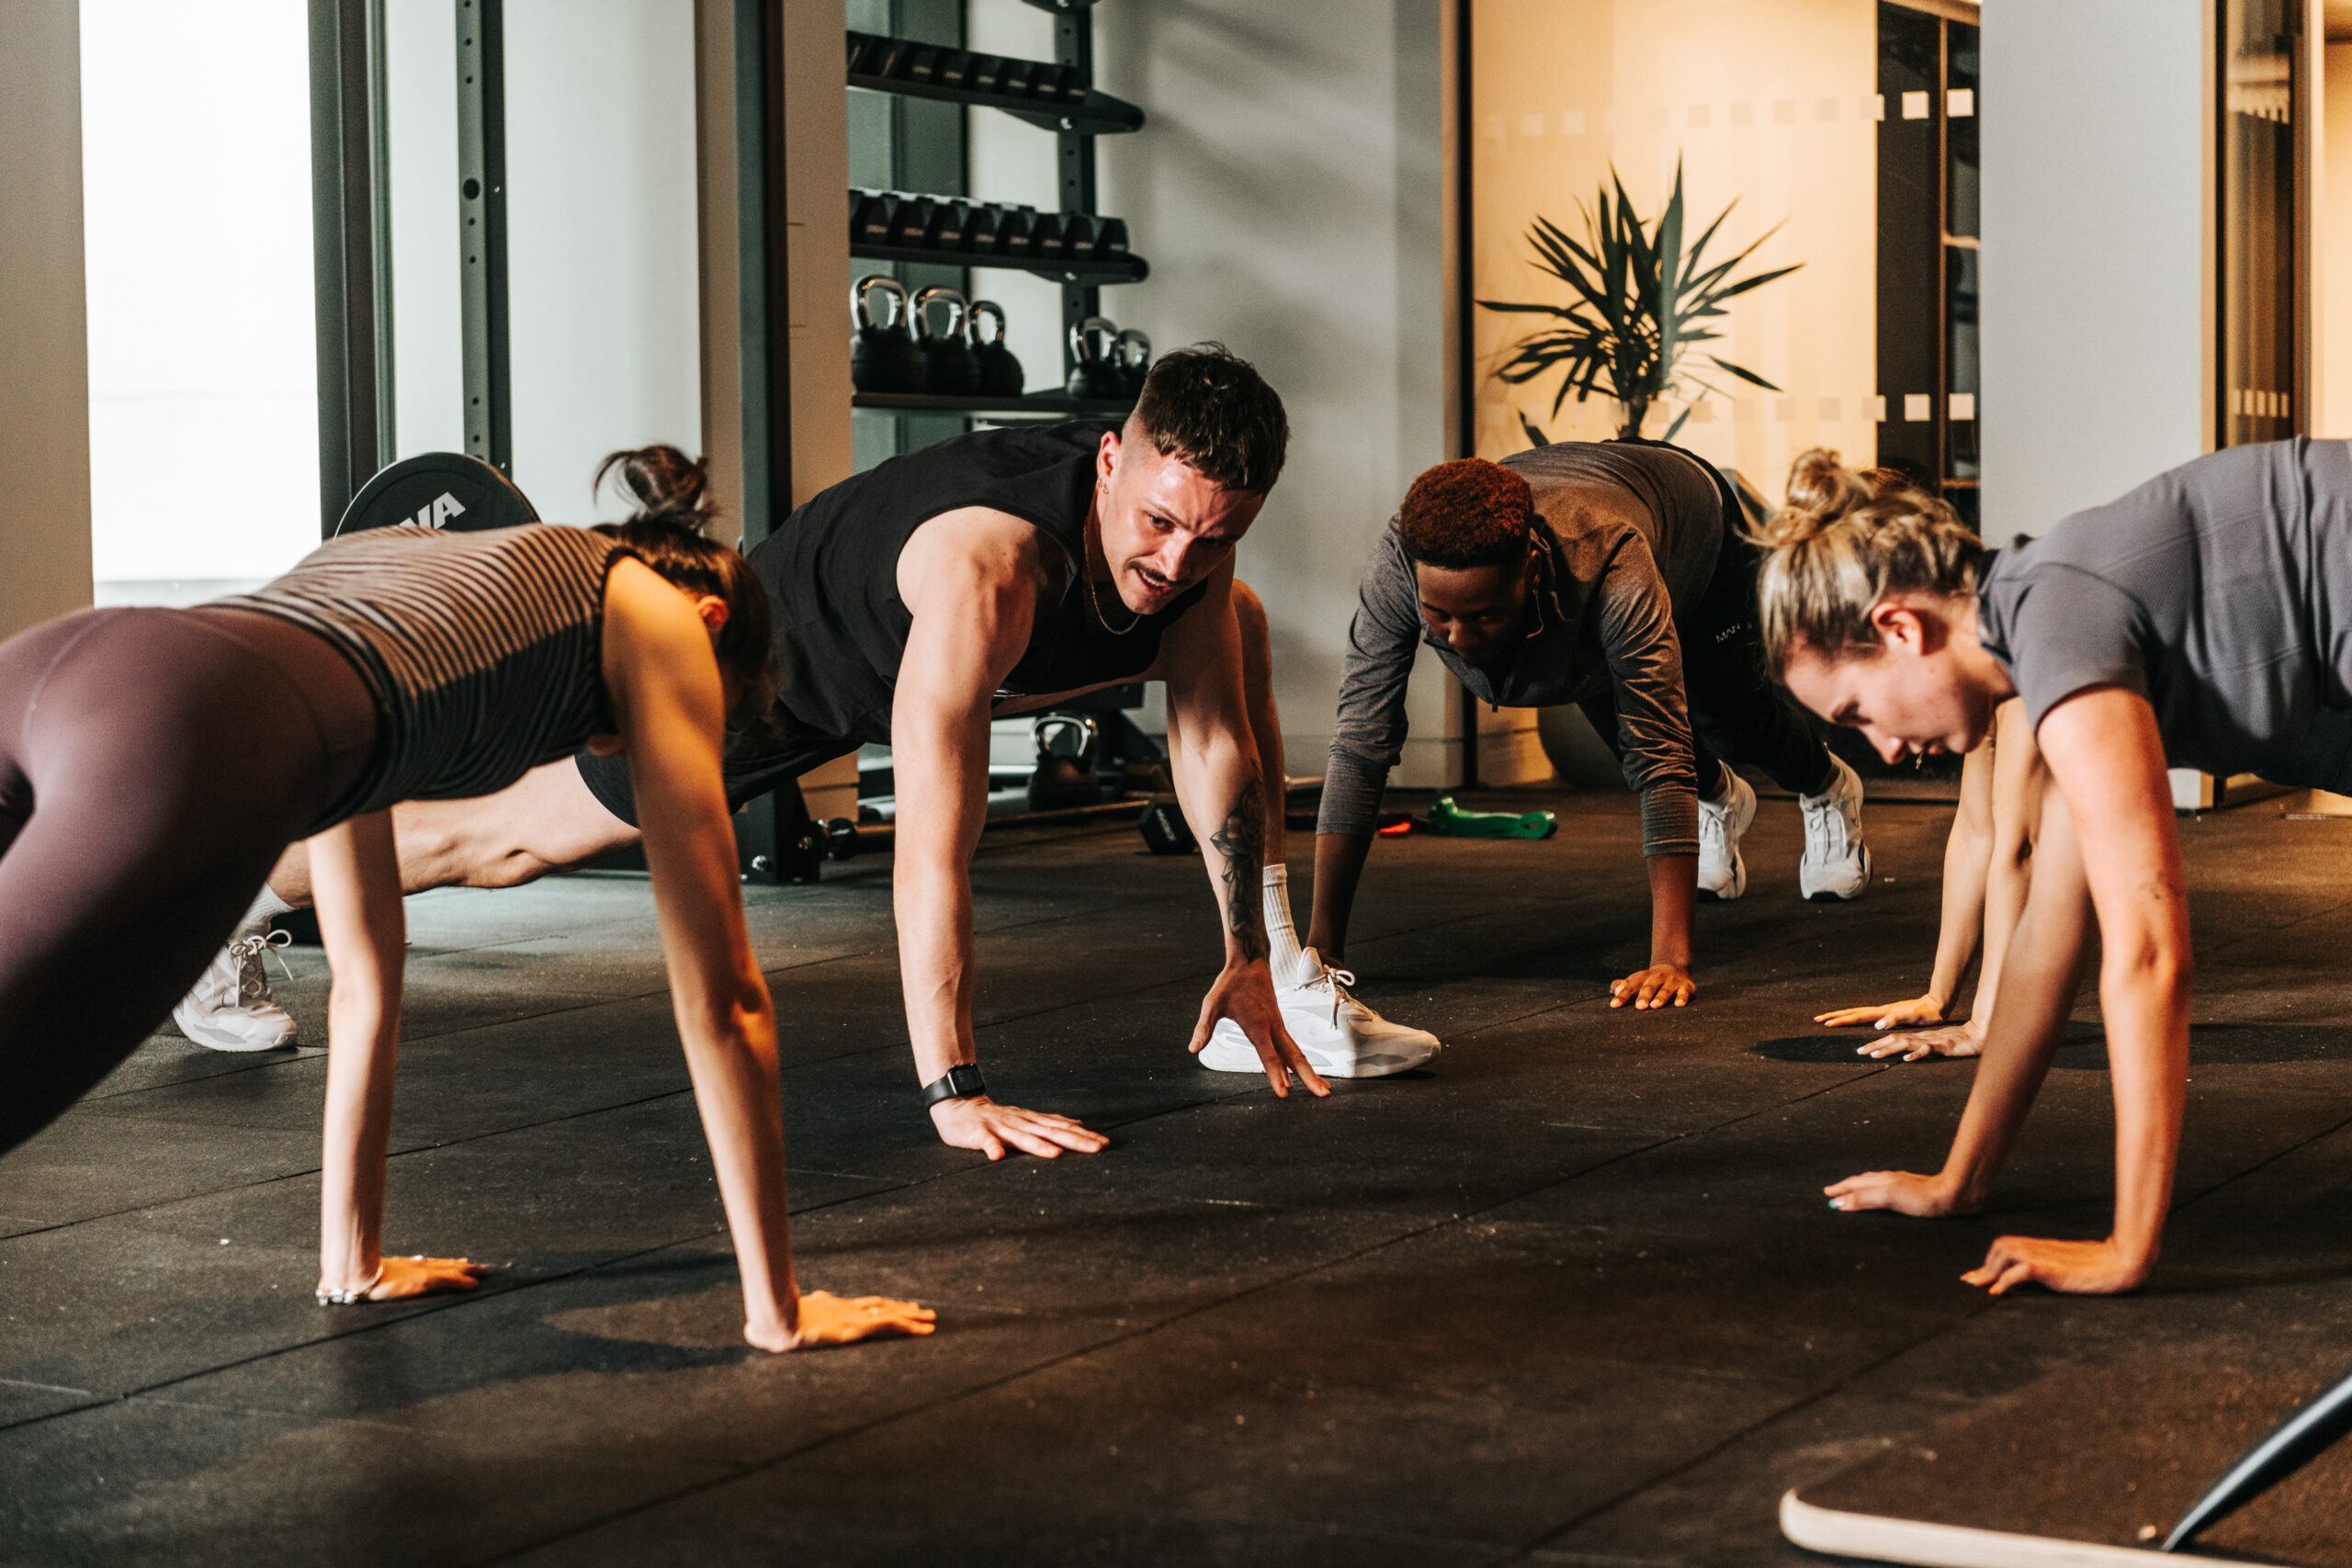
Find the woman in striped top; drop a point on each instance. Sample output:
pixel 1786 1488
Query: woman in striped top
pixel 395 664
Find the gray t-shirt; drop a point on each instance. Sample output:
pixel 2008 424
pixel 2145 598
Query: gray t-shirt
pixel 2208 592
pixel 1624 532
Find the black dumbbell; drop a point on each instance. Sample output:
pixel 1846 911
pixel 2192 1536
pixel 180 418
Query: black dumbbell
pixel 1013 79
pixel 980 230
pixel 869 217
pixel 1110 236
pixel 946 230
pixel 1078 236
pixel 986 73
pixel 1164 829
pixel 864 50
pixel 911 221
pixel 1012 233
pixel 954 68
pixel 1045 237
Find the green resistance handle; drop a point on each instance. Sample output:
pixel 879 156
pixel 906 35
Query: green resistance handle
pixel 1451 821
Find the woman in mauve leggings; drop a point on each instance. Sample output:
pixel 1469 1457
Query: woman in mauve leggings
pixel 154 763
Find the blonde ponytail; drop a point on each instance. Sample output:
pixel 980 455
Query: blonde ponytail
pixel 1843 543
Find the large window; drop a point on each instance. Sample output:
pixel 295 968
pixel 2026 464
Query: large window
pixel 196 141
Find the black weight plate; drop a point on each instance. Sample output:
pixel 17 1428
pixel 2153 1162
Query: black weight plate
pixel 438 489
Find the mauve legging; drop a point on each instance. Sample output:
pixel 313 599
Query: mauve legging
pixel 154 763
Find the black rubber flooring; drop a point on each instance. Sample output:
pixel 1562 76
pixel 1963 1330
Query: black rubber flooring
pixel 1571 1296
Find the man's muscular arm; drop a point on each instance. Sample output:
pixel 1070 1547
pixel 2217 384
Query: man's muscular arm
pixel 1215 764
pixel 971 578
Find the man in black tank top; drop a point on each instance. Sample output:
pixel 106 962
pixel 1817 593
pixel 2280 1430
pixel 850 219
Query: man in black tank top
pixel 1001 573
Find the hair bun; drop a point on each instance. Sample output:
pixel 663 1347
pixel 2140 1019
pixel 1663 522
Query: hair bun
pixel 667 486
pixel 1821 489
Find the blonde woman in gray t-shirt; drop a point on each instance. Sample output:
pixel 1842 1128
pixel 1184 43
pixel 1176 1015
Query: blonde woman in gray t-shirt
pixel 2200 621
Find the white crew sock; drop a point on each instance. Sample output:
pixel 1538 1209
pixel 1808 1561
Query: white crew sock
pixel 1283 955
pixel 266 905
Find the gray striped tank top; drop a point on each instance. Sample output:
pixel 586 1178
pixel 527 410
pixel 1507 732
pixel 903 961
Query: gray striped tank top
pixel 484 651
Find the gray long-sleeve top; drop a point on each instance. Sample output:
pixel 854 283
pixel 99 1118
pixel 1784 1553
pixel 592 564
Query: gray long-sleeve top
pixel 1624 533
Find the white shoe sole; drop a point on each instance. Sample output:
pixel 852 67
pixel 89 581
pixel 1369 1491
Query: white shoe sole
pixel 1229 1051
pixel 220 1040
pixel 1831 895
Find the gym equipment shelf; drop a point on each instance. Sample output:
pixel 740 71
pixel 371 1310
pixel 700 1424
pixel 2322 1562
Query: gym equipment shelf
pixel 1121 269
pixel 1055 405
pixel 1099 114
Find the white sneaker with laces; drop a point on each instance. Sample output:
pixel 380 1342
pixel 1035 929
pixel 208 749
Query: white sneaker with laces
pixel 1342 1037
pixel 231 1008
pixel 1836 863
pixel 1722 823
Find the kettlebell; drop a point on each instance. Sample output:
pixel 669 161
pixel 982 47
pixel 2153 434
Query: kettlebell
pixel 1093 375
pixel 949 368
pixel 1131 357
pixel 1067 744
pixel 1001 374
pixel 882 357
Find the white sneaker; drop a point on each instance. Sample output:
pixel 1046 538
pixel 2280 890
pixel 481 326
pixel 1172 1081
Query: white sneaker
pixel 231 1008
pixel 1836 863
pixel 1342 1037
pixel 1722 823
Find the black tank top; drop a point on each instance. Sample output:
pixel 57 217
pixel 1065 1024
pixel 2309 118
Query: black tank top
pixel 832 574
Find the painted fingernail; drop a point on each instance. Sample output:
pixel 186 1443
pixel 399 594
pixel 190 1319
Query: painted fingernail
pixel 1833 1202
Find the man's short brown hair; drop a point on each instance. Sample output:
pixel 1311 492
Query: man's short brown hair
pixel 1466 514
pixel 1211 410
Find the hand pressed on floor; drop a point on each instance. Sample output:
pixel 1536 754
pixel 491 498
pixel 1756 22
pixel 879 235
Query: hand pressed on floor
pixel 979 1123
pixel 419 1275
pixel 1244 992
pixel 1653 988
pixel 1883 1015
pixel 1902 1191
pixel 2079 1268
pixel 828 1319
pixel 1954 1040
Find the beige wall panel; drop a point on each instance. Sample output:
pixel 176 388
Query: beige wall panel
pixel 1771 103
pixel 44 336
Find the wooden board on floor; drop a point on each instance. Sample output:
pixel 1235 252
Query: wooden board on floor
pixel 2088 1468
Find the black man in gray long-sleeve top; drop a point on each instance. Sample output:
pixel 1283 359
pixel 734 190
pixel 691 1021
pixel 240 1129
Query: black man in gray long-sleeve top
pixel 1614 575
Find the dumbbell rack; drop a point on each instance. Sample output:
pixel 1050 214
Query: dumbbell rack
pixel 1075 124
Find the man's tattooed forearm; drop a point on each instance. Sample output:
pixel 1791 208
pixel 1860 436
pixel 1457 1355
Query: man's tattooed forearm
pixel 1242 841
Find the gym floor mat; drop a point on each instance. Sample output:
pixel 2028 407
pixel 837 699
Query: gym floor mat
pixel 2092 1465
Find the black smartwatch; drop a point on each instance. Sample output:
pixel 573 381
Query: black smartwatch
pixel 961 1082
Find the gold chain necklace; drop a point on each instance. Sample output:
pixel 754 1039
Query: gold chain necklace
pixel 1087 570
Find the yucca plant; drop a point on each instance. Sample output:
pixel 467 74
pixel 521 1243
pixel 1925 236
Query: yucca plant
pixel 1642 301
